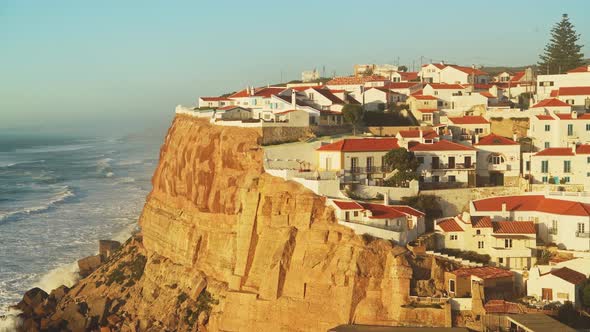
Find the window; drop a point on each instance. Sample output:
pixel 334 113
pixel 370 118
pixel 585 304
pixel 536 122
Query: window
pixel 435 178
pixel 496 159
pixel 436 93
pixel 480 244
pixel 369 163
pixel 581 228
pixel 553 229
pixel 570 130
pixel 452 178
pixel 566 179
pixel 501 260
pixel 454 237
pixel 479 130
pixel 544 166
pixel 354 163
pixel 544 179
pixel 507 243
pixel 478 232
pixel 588 160
pixel 426 117
pixel 588 127
pixel 528 165
pixel 547 127
pixel 570 101
pixel 452 286
pixel 356 213
pixel 567 166
pixel 546 145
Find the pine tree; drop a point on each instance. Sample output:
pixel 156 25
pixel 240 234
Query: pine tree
pixel 562 53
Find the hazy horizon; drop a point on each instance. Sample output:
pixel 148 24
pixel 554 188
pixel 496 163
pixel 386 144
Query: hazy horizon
pixel 112 67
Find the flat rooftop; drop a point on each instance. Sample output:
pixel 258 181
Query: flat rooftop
pixel 538 323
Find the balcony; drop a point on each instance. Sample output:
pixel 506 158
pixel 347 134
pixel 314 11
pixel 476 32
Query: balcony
pixel 369 170
pixel 552 231
pixel 441 166
pixel 583 235
pixel 498 167
pixel 510 252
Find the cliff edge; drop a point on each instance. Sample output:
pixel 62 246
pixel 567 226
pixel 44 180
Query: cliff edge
pixel 226 247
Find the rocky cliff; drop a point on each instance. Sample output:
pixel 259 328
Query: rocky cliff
pixel 227 247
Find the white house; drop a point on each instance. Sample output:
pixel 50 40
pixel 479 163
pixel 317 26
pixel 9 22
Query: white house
pixel 401 76
pixel 358 160
pixel 255 98
pixel 405 88
pixel 577 96
pixel 214 102
pixel 559 284
pixel 498 160
pixel 285 102
pixel 427 116
pixel 502 77
pixel 578 77
pixel 431 73
pixel 356 85
pixel 324 99
pixel 551 105
pixel 295 118
pixel 419 101
pixel 508 243
pixel 454 74
pixel 562 166
pixel 559 129
pixel 426 136
pixel 565 223
pixel 444 91
pixel 232 113
pixel 445 163
pixel 399 223
pixel 379 98
pixel 465 128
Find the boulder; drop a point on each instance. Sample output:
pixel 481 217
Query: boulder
pixel 107 247
pixel 58 293
pixel 89 264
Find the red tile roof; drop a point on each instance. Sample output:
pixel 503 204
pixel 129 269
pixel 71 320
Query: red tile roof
pixel 494 139
pixel 532 203
pixel 400 85
pixel 555 152
pixel 545 117
pixel 569 275
pixel 286 112
pixel 351 80
pixel 554 93
pixel 409 75
pixel 568 116
pixel 415 133
pixel 445 86
pixel 517 76
pixel 214 98
pixel 329 95
pixel 267 92
pixel 449 225
pixel 348 205
pixel 240 94
pixel 551 102
pixel 469 119
pixel 423 97
pixel 487 94
pixel 409 210
pixel 427 110
pixel 469 70
pixel 481 222
pixel 583 149
pixel 573 91
pixel 361 145
pixel 582 69
pixel 229 107
pixel 484 272
pixel 514 227
pixel 442 145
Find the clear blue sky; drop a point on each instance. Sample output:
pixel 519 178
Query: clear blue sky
pixel 123 64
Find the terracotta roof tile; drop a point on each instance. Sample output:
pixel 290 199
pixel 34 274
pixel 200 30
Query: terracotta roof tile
pixel 532 203
pixel 514 227
pixel 568 116
pixel 494 139
pixel 581 69
pixel 442 145
pixel 555 152
pixel 401 85
pixel 503 307
pixel 449 225
pixel 569 275
pixel 481 222
pixel 573 91
pixel 551 102
pixel 361 144
pixel 348 205
pixel 427 110
pixel 484 272
pixel 470 119
pixel 350 80
pixel 583 149
pixel 215 98
pixel 445 86
pixel 415 133
pixel 544 117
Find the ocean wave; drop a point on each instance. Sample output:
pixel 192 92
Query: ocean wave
pixel 60 197
pixel 10 164
pixel 62 275
pixel 9 321
pixel 103 166
pixel 124 180
pixel 55 148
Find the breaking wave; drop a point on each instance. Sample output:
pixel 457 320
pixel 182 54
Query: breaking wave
pixel 10 322
pixel 63 275
pixel 65 193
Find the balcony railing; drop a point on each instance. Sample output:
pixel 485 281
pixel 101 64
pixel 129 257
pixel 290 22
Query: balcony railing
pixel 498 167
pixel 392 228
pixel 453 166
pixel 368 170
pixel 582 234
pixel 553 231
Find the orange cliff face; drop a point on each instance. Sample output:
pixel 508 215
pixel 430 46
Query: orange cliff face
pixel 252 251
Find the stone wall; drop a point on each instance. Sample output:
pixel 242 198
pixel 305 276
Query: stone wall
pixel 454 201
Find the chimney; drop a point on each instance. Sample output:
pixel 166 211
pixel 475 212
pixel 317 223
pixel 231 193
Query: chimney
pixel 248 90
pixel 421 135
pixel 574 115
pixel 503 207
pixel 476 138
pixel 514 137
pixel 252 90
pixel 293 99
pixel 386 198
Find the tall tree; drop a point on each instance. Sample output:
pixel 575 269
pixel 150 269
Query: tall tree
pixel 353 114
pixel 405 163
pixel 563 52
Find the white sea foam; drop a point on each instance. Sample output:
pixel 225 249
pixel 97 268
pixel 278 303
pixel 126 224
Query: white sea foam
pixel 109 174
pixel 126 179
pixel 63 275
pixel 10 321
pixel 65 193
pixel 55 148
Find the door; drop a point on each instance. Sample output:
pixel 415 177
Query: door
pixel 435 162
pixel 547 294
pixel 328 164
pixel 451 162
pixel 496 179
pixel 369 164
pixel 467 162
pixel 354 162
pixel 347 216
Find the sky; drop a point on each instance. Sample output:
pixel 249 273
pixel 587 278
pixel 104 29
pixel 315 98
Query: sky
pixel 115 66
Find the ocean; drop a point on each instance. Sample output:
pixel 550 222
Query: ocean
pixel 59 195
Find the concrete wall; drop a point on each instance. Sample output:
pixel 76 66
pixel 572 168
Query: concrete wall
pixel 395 194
